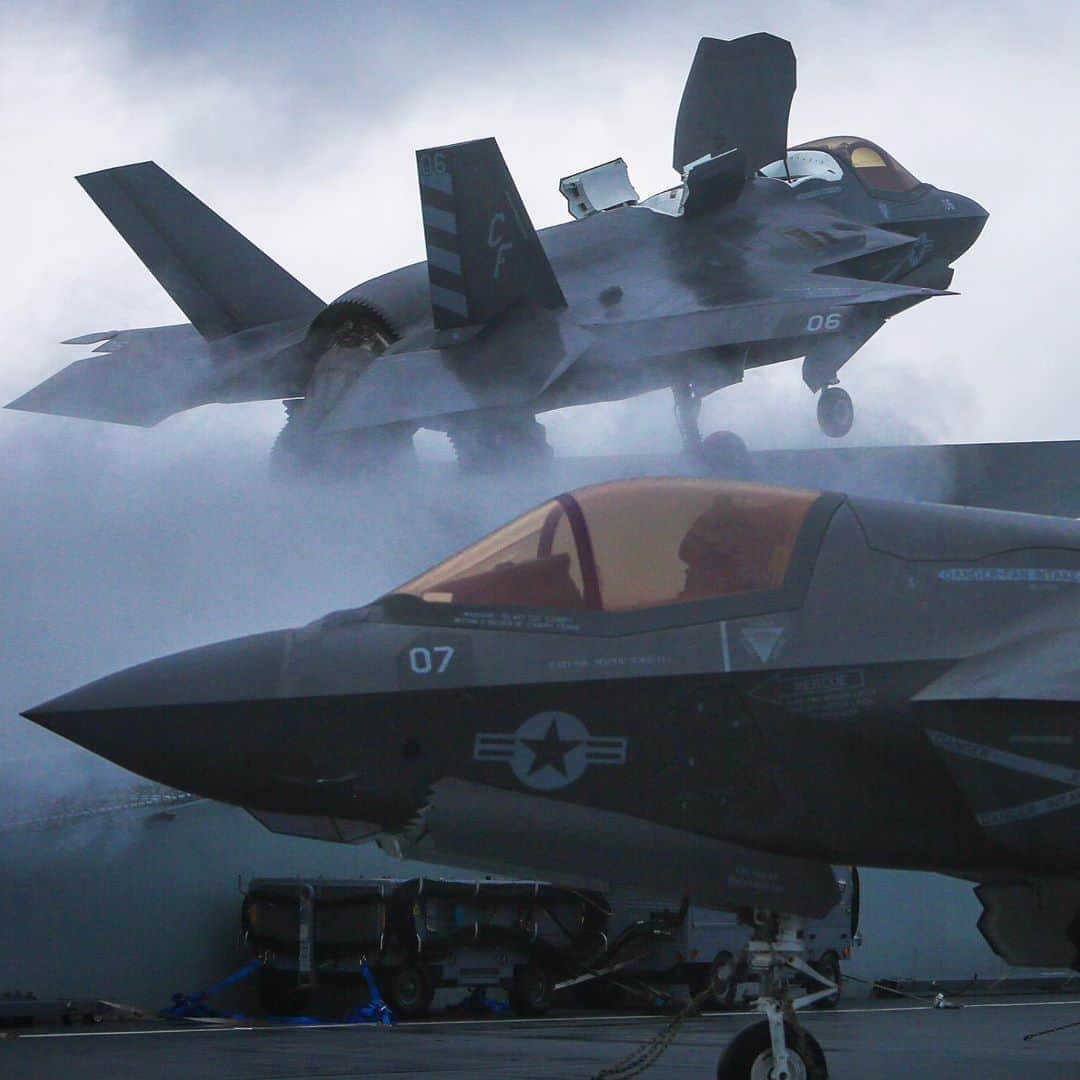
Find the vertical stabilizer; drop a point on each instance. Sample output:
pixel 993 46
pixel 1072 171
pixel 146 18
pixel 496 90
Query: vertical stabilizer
pixel 483 253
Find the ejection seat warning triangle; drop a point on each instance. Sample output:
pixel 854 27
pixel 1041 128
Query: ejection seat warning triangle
pixel 762 640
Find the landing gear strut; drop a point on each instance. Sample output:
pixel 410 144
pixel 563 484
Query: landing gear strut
pixel 687 412
pixel 722 453
pixel 778 1048
pixel 496 442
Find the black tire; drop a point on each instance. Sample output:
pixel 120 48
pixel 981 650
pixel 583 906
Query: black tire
pixel 754 1043
pixel 530 992
pixel 725 454
pixel 279 994
pixel 835 412
pixel 500 442
pixel 721 974
pixel 407 990
pixel 829 966
pixel 599 994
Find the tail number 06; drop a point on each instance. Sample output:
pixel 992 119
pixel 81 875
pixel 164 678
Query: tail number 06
pixel 433 661
pixel 816 323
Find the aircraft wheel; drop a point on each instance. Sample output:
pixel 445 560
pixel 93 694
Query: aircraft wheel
pixel 726 454
pixel 835 412
pixel 530 992
pixel 599 994
pixel 829 966
pixel 500 442
pixel 407 989
pixel 720 975
pixel 749 1055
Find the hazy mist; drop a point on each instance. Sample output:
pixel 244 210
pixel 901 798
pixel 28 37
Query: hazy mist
pixel 298 124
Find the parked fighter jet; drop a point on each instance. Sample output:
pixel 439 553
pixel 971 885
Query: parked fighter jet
pixel 760 254
pixel 682 686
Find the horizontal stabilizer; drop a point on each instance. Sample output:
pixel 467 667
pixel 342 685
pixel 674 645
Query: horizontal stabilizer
pixel 483 253
pixel 140 377
pixel 220 280
pixel 737 95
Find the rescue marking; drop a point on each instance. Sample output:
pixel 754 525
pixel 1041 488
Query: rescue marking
pixel 1040 575
pixel 1016 763
pixel 550 750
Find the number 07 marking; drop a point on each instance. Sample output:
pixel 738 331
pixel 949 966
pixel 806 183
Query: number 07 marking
pixel 433 661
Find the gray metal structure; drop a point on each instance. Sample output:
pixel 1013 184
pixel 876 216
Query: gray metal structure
pixel 659 683
pixel 759 255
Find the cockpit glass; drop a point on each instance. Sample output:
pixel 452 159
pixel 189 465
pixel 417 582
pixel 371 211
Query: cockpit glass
pixel 879 171
pixel 629 546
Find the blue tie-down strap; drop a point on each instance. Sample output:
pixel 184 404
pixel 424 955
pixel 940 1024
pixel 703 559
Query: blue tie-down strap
pixel 193 1006
pixel 478 1002
pixel 376 1010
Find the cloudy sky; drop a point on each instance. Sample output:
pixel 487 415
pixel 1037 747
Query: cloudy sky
pixel 297 122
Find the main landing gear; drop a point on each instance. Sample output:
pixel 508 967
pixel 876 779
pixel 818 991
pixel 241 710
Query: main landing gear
pixel 835 412
pixel 778 1047
pixel 722 453
pixel 500 440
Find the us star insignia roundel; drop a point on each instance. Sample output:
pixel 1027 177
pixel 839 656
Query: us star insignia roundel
pixel 550 750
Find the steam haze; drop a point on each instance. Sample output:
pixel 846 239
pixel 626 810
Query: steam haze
pixel 297 123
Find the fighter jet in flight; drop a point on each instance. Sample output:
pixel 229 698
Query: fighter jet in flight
pixel 759 254
pixel 680 686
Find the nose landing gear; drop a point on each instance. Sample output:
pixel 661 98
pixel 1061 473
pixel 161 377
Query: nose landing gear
pixel 778 1047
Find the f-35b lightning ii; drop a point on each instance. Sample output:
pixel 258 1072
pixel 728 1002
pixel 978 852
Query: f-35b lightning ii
pixel 760 254
pixel 679 686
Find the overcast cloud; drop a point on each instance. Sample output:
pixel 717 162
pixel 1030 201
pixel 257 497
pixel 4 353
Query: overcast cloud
pixel 297 122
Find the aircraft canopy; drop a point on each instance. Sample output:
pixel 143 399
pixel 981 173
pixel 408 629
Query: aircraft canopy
pixel 627 546
pixel 878 170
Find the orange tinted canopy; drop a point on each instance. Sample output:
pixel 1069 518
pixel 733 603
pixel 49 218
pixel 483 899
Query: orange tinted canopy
pixel 627 546
pixel 878 170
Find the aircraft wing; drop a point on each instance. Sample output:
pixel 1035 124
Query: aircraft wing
pixel 515 358
pixel 508 363
pixel 821 307
pixel 1043 666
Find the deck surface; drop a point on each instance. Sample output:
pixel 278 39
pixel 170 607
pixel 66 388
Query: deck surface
pixel 983 1040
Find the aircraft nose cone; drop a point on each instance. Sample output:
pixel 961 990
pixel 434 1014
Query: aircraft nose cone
pixel 153 718
pixel 967 219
